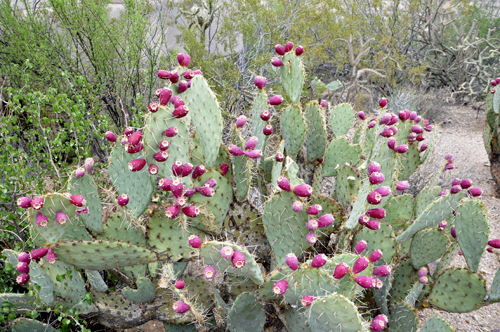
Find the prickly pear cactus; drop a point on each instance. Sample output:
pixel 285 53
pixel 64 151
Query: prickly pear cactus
pixel 186 245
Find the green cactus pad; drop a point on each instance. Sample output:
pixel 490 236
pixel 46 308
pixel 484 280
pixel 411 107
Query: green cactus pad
pixel 380 295
pixel 71 288
pixel 242 168
pixel 291 171
pixel 347 285
pixel 316 132
pixel 496 102
pixel 292 76
pixel 296 321
pixel 347 185
pixel 447 258
pixel 41 279
pixel 20 302
pixel 137 185
pixel 488 137
pixel 388 163
pixel 285 229
pixel 427 246
pixel 102 254
pixel 436 324
pixel 330 206
pixel 213 209
pixel 317 180
pixel 382 238
pixel 246 314
pixel 404 278
pixel 339 152
pixel 426 197
pixel 144 293
pixel 167 235
pixel 86 187
pixel 408 162
pixel 359 207
pixel 197 287
pixel 334 313
pixel 210 254
pixel 341 119
pixel 222 306
pixel 30 325
pixel 403 318
pixel 259 105
pixel 293 129
pixel 276 170
pixel 494 294
pixel 171 327
pixel 430 144
pixel 399 210
pixel 11 256
pixel 472 228
pixel 206 118
pixel 240 285
pixel 73 228
pixel 414 293
pixel 458 290
pixel 95 280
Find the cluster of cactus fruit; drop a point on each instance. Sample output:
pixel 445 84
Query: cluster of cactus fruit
pixel 353 258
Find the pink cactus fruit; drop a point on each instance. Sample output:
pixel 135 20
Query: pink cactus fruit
pixel 311 238
pixel 251 143
pixel 455 189
pixel 241 121
pixel 275 61
pixel 279 49
pixel 374 198
pixel 360 247
pixel 319 260
pixel 89 165
pixel 165 184
pixel 418 119
pixel 260 82
pixel 280 287
pixel 403 116
pixel 177 168
pixel 413 115
pixel 135 138
pixel 365 281
pixel 180 112
pixel 24 257
pixel 136 164
pixel 340 271
pixel 223 169
pixel 191 211
pixel 134 148
pixel 402 185
pixel 420 138
pixel 375 255
pixel 188 74
pixel 265 115
pixel 172 211
pixel 170 132
pixel 24 202
pixel 276 100
pixel 153 169
pixel 314 210
pixel 423 280
pixel 234 150
pixel 325 220
pixel 373 224
pixel 180 284
pixel 403 148
pixel 187 169
pixel 38 253
pixel 194 241
pixel 292 261
pixel 382 102
pixel 466 183
pixel 183 59
pixel 374 167
pixel 41 220
pixel 238 260
pixel 22 278
pixel 382 270
pixel 129 130
pixel 279 157
pixel 227 252
pixel 475 192
pixel 385 119
pixel 361 115
pixel 288 46
pixel 51 257
pixel 210 183
pixel 312 225
pixel 422 272
pixel 323 103
pixel 453 232
pixel 254 154
pixel 284 184
pixel 412 137
pixel 307 300
pixel 22 267
pixel 189 192
pixel 37 203
pixel 198 171
pixel 378 283
pixel 176 188
pixel 299 50
pixel 376 178
pixel 377 213
pixel 363 220
pixel 180 201
pixel 384 191
pixel 153 107
pixel 80 172
pixel 209 272
pixel 180 307
pixel 268 130
pixel 360 265
pixel 422 147
pixel 297 206
pixel 377 324
pixel 77 200
pixel 61 217
pixel 164 97
pixel 174 76
pixel 372 124
pixel 110 136
pixel 442 225
pixel 494 243
pixel 303 190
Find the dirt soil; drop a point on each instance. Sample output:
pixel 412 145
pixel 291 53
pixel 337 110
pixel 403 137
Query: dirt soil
pixel 461 135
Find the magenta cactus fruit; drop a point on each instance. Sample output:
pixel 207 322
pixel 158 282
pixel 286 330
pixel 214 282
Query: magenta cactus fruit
pixel 275 100
pixel 453 232
pixel 174 76
pixel 284 184
pixel 110 136
pixel 466 183
pixel 377 213
pixel 382 102
pixel 22 278
pixel 388 133
pixel 385 119
pixel 363 220
pixel 422 272
pixel 209 272
pixel 279 49
pixel 181 307
pixel 24 257
pixel 401 148
pixel 312 225
pixel 403 116
pixel 402 185
pixel 412 137
pixel 254 154
pixel 442 224
pixel 210 183
pixel 297 206
pixel 163 74
pixel 171 132
pixel 311 238
pixel 375 255
pixel 89 165
pixel 198 171
pixel 372 124
pixel 299 50
pixel 234 150
pixel 303 190
pixel 325 220
pixel 165 184
pixel 180 112
pixel 176 188
pixel 280 287
pixel 378 324
pixel 493 82
pixel 373 224
pixel 223 169
pixel 292 261
pixel 183 59
pixel 177 168
pixel 22 267
pixel 41 220
pixel 319 260
pixel 194 241
pixel 123 199
pixel 376 178
pixel 374 198
pixel 129 130
pixel 251 143
pixel 183 86
pixel 360 247
pixel 374 167
pixel 361 115
pixel 429 128
pixel 413 116
pixel 323 103
pixel 494 243
pixel 180 201
pixel 307 300
pixel 206 191
pixel 260 82
pixel 275 61
pixel 382 270
pixel 288 46
pixel 37 203
pixel 164 97
pixel 420 138
pixel 38 253
pixel 455 182
pixel 51 257
pixel 475 192
pixel 227 252
pixel 80 172
pixel 423 280
pixel 161 156
pixel 172 211
pixel 455 189
pixel 422 147
pixel 61 217
pixel 238 260
pixel 24 202
pixel 391 143
pixel 418 119
pixel 77 200
pixel 360 265
pixel 393 120
pixel 180 284
pixel 279 157
pixel 314 210
pixel 187 169
pixel 384 191
pixel 136 164
pixel 153 169
pixel 189 192
pixel 241 121
pixel 378 283
pixel 365 281
pixel 189 74
pixel 340 271
pixel 191 211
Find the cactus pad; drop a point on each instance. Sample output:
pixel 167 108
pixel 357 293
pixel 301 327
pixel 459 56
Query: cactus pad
pixel 494 294
pixel 293 129
pixel 404 278
pixel 96 281
pixel 426 197
pixel 408 162
pixel 447 258
pixel 472 228
pixel 20 302
pixel 399 210
pixel 359 207
pixel 436 324
pixel 403 318
pixel 382 238
pixel 144 293
pixel 309 281
pixel 41 279
pixel 246 314
pixel 259 105
pixel 316 133
pixel 347 185
pixel 341 119
pixel 346 286
pixel 242 168
pixel 339 152
pixel 458 290
pixel 31 325
pixel 292 76
pixel 86 187
pixel 342 314
pixel 296 321
pixel 427 246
